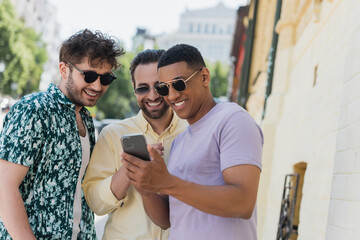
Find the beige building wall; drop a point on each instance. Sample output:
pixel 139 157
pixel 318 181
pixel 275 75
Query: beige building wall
pixel 257 86
pixel 312 116
pixel 344 210
pixel 261 48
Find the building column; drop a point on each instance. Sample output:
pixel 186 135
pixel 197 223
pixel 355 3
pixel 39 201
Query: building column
pixel 286 30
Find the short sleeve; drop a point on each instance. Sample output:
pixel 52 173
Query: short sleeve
pixel 22 134
pixel 241 141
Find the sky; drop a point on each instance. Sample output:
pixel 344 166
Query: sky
pixel 120 18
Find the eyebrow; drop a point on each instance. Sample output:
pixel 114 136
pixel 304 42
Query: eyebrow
pixel 143 84
pixel 146 84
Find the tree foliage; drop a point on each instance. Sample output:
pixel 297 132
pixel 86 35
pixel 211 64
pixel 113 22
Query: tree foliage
pixel 119 101
pixel 22 52
pixel 219 78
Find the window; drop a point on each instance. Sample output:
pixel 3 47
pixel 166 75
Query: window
pixel 199 27
pixel 291 202
pixel 214 28
pixel 206 28
pixel 191 27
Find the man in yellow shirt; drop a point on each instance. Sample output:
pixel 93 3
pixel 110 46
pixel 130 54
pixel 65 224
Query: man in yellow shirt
pixel 106 187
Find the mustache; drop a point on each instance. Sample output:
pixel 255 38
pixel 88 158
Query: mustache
pixel 92 90
pixel 156 100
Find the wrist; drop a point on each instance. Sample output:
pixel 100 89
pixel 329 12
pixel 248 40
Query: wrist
pixel 119 184
pixel 169 186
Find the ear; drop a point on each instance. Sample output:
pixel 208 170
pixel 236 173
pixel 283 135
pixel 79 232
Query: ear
pixel 205 76
pixel 64 70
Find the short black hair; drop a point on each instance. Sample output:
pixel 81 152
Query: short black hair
pixel 182 53
pixel 145 57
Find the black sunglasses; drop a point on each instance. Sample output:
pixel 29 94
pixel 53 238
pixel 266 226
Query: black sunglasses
pixel 178 84
pixel 142 90
pixel 91 76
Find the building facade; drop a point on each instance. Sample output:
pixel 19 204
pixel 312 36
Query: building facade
pixel 210 30
pixel 301 84
pixel 142 40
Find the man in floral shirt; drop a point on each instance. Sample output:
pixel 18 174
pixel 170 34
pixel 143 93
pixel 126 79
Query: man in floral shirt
pixel 46 142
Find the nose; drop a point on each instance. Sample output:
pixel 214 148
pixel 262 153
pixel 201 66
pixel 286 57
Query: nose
pixel 173 94
pixel 153 94
pixel 96 85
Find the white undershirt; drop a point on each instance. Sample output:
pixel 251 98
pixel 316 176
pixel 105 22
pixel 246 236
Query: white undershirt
pixel 85 145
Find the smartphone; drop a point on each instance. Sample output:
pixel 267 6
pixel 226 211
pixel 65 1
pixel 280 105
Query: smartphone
pixel 135 144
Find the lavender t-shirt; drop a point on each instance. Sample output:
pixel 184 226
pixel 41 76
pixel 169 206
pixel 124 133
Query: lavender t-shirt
pixel 226 136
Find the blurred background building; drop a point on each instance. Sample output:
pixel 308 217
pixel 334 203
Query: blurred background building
pixel 41 16
pixel 210 30
pixel 143 40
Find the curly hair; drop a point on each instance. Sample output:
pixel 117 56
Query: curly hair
pixel 97 47
pixel 182 53
pixel 145 57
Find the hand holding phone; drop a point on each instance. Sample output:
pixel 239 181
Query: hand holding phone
pixel 135 144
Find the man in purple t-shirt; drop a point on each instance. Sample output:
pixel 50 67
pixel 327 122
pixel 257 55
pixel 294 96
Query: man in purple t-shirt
pixel 210 186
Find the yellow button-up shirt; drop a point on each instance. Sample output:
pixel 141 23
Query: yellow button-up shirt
pixel 127 217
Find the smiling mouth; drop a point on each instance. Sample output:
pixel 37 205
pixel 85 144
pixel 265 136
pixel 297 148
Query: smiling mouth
pixel 153 104
pixel 178 104
pixel 91 94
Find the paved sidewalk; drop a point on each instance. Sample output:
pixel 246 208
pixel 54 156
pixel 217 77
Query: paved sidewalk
pixel 99 225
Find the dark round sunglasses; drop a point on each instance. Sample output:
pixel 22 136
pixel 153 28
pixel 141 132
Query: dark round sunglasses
pixel 179 85
pixel 91 76
pixel 142 90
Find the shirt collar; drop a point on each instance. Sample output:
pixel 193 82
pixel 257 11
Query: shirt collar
pixel 60 97
pixel 145 125
pixel 142 122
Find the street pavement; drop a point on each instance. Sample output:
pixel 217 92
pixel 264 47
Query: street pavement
pixel 99 225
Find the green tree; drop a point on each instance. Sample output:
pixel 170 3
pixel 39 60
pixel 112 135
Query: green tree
pixel 219 78
pixel 22 52
pixel 119 101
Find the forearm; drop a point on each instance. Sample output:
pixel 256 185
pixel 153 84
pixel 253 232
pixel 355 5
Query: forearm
pixel 105 193
pixel 13 214
pixel 120 184
pixel 99 196
pixel 157 208
pixel 223 200
pixel 236 198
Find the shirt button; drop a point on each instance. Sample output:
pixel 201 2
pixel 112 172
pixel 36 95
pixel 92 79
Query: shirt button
pixel 77 169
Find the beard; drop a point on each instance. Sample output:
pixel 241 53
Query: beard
pixel 154 114
pixel 75 94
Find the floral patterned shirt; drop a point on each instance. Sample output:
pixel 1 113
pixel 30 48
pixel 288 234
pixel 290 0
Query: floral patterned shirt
pixel 40 132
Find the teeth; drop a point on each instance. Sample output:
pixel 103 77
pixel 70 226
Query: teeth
pixel 179 103
pixel 154 104
pixel 91 94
